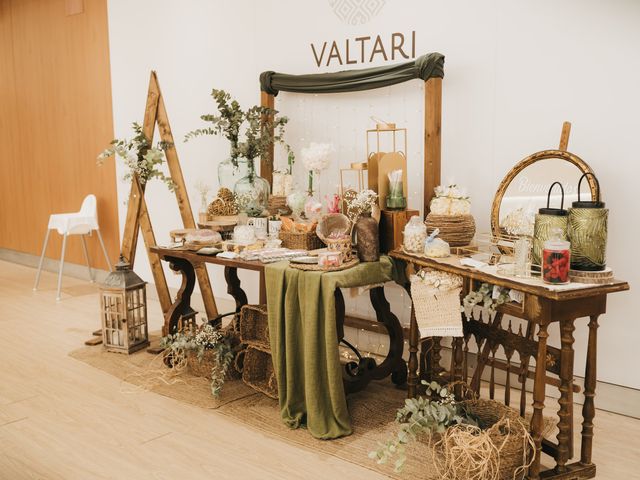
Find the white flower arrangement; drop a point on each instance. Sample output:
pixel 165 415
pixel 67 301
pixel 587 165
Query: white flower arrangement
pixel 442 281
pixel 519 222
pixel 450 200
pixel 316 157
pixel 362 203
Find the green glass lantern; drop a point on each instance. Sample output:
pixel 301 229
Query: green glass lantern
pixel 547 221
pixel 587 231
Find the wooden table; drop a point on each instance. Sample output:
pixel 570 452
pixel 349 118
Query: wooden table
pixel 356 376
pixel 541 307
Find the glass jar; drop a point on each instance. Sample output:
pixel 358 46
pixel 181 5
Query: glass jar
pixel 556 258
pixel 415 233
pixel 252 193
pixel 229 174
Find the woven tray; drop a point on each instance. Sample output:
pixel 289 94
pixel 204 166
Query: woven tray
pixel 600 278
pixel 456 230
pixel 314 267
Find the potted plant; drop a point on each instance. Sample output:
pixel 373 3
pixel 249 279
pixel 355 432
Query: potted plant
pixel 250 134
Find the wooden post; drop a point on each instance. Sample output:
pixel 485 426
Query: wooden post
pixel 564 136
pixel 266 162
pixel 138 215
pixel 432 140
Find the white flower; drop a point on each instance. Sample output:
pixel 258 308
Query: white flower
pixel 315 157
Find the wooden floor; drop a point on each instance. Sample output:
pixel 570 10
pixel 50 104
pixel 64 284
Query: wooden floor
pixel 61 419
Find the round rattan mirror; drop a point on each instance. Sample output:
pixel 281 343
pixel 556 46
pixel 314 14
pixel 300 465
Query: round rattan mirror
pixel 524 190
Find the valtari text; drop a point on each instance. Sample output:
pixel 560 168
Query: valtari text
pixel 365 49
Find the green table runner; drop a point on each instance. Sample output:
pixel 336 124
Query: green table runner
pixel 304 342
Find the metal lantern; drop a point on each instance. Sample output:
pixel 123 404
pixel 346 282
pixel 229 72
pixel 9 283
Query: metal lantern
pixel 547 221
pixel 587 230
pixel 123 305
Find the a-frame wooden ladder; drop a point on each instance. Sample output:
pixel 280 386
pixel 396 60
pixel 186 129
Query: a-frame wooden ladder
pixel 138 214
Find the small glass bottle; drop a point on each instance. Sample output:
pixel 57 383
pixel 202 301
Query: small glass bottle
pixel 415 233
pixel 556 258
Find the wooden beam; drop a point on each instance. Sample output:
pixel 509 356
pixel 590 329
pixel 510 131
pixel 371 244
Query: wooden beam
pixel 150 239
pixel 266 162
pixel 432 139
pixel 564 136
pixel 184 205
pixel 131 226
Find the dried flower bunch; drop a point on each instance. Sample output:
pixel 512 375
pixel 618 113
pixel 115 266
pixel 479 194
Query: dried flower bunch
pixel 429 415
pixel 140 157
pixel 207 338
pixel 450 200
pixel 362 203
pixel 249 132
pixel 519 222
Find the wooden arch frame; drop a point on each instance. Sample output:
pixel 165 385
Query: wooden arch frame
pixel 432 138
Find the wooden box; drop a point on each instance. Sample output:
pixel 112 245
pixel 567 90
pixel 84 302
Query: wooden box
pixel 392 223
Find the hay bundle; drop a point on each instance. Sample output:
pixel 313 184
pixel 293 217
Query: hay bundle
pixel 224 204
pixel 499 451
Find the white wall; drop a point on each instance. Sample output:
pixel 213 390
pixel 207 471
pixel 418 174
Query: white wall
pixel 513 74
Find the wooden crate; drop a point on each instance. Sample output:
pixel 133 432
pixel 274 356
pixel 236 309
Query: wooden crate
pixel 392 223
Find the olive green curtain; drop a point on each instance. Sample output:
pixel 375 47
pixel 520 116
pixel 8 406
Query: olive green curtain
pixel 427 66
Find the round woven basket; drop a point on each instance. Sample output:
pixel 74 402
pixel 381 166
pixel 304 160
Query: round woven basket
pixel 300 241
pixel 506 430
pixel 342 245
pixel 456 230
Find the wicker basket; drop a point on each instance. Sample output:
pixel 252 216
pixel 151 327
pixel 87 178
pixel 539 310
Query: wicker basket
pixel 254 326
pixel 456 230
pixel 301 241
pixel 508 432
pixel 437 312
pixel 342 245
pixel 201 368
pixel 257 372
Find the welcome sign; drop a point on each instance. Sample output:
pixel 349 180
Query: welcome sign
pixel 366 49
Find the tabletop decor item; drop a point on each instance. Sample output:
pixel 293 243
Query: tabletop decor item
pixel 299 235
pixel 203 190
pixel 296 201
pixel 333 203
pixel 139 157
pixel 261 129
pixel 436 303
pixel 334 229
pixel 415 234
pixel 123 308
pixel 522 248
pixel 435 247
pixel 395 200
pixel 487 297
pixel 359 211
pixel 587 231
pixel 556 256
pixel 283 179
pixel 450 212
pixel 315 267
pixel 386 153
pixel 546 220
pixel 223 205
pixel 316 158
pixel 208 353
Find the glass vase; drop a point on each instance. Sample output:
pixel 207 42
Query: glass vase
pixel 252 193
pixel 229 174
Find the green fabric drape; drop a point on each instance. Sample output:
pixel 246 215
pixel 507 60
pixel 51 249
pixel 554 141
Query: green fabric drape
pixel 427 66
pixel 304 342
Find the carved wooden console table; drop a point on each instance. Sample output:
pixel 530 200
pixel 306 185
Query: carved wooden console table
pixel 540 308
pixel 356 376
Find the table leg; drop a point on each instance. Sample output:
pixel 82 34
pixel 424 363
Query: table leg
pixel 414 341
pixel 393 364
pixel 588 409
pixel 182 304
pixel 538 401
pixel 233 287
pixel 565 424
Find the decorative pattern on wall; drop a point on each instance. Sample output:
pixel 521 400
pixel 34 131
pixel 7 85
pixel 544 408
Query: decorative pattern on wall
pixel 356 12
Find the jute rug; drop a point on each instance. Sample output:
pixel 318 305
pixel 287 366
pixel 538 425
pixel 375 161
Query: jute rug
pixel 372 410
